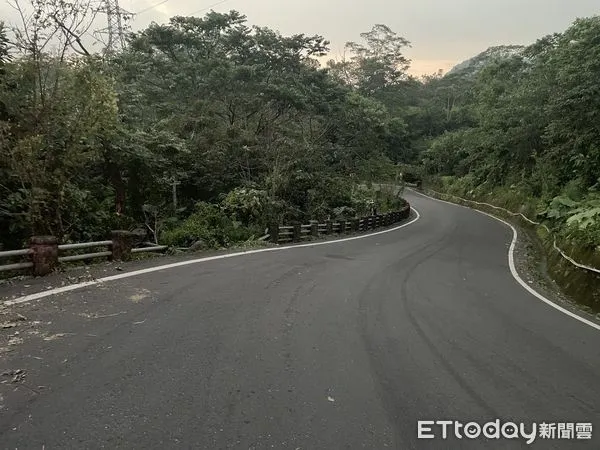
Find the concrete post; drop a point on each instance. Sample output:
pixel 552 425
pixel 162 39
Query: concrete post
pixel 45 254
pixel 314 228
pixel 274 233
pixel 329 226
pixel 122 241
pixel 297 236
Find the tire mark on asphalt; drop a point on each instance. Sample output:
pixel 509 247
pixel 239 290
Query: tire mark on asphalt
pixel 379 352
pixel 425 338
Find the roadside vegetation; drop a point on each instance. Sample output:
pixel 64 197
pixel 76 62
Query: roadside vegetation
pixel 201 129
pixel 523 134
pixel 208 129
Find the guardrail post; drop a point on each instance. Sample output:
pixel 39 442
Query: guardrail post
pixel 314 228
pixel 45 254
pixel 297 236
pixel 274 233
pixel 342 227
pixel 122 242
pixel 329 226
pixel 355 224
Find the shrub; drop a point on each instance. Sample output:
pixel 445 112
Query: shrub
pixel 246 205
pixel 211 225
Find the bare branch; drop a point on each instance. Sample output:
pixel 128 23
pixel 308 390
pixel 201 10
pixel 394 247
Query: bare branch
pixel 68 32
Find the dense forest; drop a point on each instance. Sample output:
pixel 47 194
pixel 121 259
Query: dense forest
pixel 209 129
pixel 524 133
pixel 202 128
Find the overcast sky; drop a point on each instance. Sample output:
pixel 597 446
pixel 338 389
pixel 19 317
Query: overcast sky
pixel 442 32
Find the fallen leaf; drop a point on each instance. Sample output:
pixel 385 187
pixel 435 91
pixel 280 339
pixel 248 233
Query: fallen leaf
pixel 55 336
pixel 15 341
pixel 17 375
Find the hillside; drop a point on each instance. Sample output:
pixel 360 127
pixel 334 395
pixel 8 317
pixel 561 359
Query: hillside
pixel 473 65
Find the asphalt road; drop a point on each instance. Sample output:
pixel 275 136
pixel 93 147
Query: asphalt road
pixel 340 346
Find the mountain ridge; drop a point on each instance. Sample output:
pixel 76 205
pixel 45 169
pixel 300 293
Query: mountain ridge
pixel 473 65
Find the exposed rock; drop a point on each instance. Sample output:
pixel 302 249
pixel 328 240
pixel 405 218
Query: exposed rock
pixel 198 245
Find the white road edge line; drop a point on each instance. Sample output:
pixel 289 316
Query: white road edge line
pixel 513 270
pixel 72 287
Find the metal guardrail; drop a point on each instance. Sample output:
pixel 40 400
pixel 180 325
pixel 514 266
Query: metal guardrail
pixel 9 253
pixel 16 266
pixel 84 245
pixel 156 248
pixel 84 256
pixel 44 251
pixel 45 255
pixel 301 232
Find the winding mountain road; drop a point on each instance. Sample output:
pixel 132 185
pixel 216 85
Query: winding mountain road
pixel 339 346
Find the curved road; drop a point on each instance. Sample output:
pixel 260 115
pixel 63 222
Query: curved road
pixel 337 346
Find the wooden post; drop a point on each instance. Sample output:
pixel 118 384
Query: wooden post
pixel 45 254
pixel 297 236
pixel 274 233
pixel 355 224
pixel 122 241
pixel 342 226
pixel 329 226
